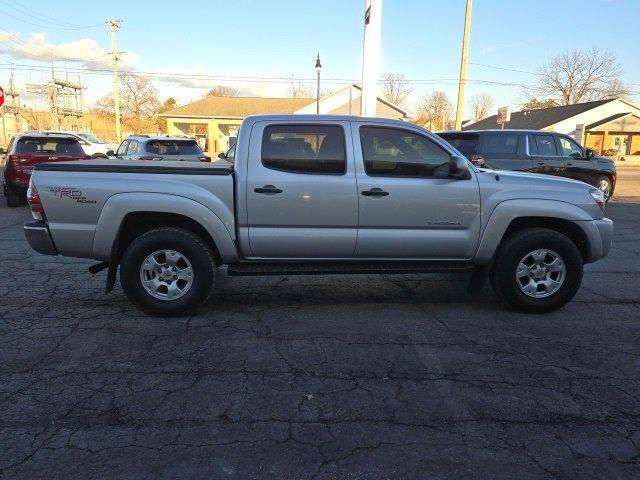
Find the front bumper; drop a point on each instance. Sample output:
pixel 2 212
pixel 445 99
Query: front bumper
pixel 599 235
pixel 39 238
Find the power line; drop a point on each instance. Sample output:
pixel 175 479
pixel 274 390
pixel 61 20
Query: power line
pixel 42 19
pixel 169 75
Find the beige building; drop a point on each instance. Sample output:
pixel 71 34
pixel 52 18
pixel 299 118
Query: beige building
pixel 215 121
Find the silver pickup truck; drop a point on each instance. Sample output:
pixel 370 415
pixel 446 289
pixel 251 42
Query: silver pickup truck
pixel 317 195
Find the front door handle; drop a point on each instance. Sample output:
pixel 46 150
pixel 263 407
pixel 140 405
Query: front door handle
pixel 540 163
pixel 375 192
pixel 267 189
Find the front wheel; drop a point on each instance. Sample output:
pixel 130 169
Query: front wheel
pixel 537 270
pixel 167 272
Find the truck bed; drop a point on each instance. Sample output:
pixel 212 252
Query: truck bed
pixel 77 196
pixel 139 166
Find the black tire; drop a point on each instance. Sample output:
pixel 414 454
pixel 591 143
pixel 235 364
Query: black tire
pixel 191 247
pixel 604 180
pixel 15 198
pixel 517 246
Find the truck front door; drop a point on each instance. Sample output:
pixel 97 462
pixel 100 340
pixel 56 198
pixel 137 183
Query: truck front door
pixel 302 200
pixel 409 208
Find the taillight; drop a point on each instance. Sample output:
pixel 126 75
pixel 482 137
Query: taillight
pixel 204 159
pixel 33 197
pixel 477 160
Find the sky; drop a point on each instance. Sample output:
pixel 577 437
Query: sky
pixel 274 40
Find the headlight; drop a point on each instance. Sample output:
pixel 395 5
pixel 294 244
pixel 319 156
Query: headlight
pixel 598 196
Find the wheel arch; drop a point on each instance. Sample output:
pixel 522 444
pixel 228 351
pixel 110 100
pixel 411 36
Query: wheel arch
pixel 516 215
pixel 126 216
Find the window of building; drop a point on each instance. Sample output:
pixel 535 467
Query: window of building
pixel 500 144
pixel 304 149
pixel 401 153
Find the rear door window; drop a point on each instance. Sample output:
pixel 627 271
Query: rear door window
pixel 500 144
pixel 173 147
pixel 305 149
pixel 545 145
pixel 49 145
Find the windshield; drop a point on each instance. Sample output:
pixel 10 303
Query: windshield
pixel 465 143
pixel 174 147
pixel 48 145
pixel 90 138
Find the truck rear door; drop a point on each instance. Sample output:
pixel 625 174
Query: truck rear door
pixel 301 192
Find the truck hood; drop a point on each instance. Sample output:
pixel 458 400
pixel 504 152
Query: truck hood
pixel 497 186
pixel 537 178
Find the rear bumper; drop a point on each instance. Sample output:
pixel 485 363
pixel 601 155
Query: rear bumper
pixel 39 238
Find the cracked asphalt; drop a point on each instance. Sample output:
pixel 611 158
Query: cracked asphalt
pixel 333 377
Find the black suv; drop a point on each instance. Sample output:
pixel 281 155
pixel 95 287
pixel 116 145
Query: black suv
pixel 537 152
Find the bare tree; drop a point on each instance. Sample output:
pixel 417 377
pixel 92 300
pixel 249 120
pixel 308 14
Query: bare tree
pixel 482 104
pixel 169 104
pixel 395 88
pixel 435 110
pixel 221 91
pixel 139 102
pixel 297 89
pixel 535 104
pixel 578 76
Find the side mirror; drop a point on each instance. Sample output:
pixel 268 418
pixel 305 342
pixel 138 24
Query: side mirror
pixel 590 153
pixel 458 168
pixel 2 151
pixel 111 153
pixel 222 155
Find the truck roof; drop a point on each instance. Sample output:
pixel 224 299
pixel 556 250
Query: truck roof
pixel 495 130
pixel 322 118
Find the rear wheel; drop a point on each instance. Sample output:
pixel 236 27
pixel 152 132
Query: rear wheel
pixel 603 183
pixel 14 196
pixel 167 272
pixel 537 270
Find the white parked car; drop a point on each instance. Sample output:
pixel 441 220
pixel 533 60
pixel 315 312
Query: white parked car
pixel 91 144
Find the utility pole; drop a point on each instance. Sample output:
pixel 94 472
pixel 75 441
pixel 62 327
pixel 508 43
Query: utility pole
pixel 113 26
pixel 463 65
pixel 371 57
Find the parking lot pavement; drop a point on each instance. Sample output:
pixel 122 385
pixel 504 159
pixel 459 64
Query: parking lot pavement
pixel 318 377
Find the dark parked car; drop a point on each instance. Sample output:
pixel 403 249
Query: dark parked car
pixel 537 152
pixel 29 149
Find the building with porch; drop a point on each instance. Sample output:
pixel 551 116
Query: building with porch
pixel 214 121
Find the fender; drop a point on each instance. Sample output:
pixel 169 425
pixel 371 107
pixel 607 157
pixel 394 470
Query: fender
pixel 118 206
pixel 507 211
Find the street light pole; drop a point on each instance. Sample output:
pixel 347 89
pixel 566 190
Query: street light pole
pixel 463 65
pixel 318 70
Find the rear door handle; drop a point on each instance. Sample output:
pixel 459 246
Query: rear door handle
pixel 267 189
pixel 375 192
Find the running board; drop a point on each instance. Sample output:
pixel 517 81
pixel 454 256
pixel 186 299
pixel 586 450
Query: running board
pixel 337 268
